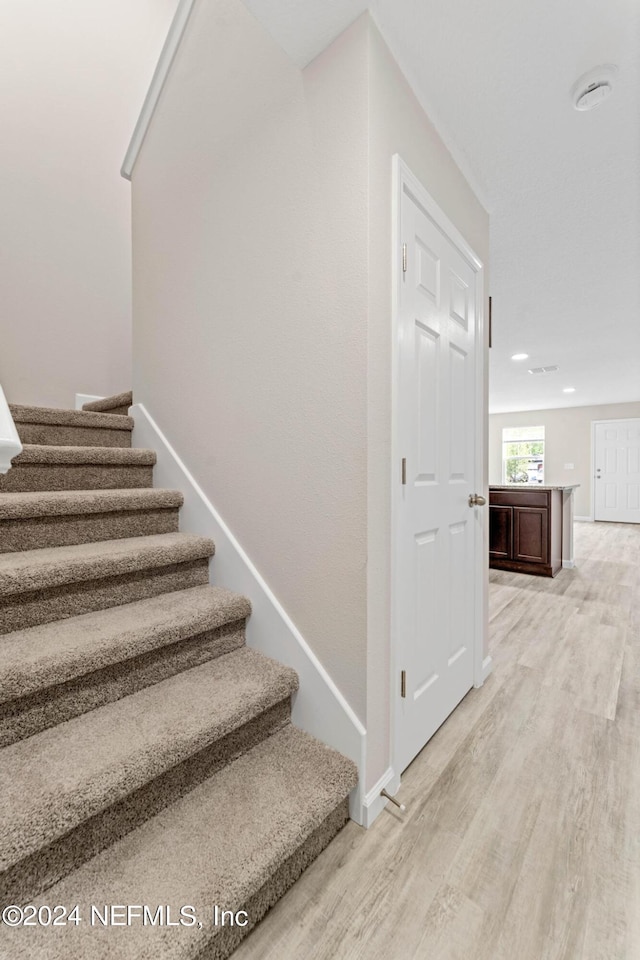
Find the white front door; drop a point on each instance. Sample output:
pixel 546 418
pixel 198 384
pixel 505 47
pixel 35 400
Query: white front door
pixel 617 470
pixel 438 566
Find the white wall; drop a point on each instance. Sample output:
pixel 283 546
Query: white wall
pixel 72 79
pixel 250 306
pixel 262 314
pixel 567 440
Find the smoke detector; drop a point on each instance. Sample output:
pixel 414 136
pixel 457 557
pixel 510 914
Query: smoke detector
pixel 593 87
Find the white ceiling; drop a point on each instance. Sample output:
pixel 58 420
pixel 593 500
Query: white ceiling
pixel 562 187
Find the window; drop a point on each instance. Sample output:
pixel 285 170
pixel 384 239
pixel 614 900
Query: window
pixel 523 455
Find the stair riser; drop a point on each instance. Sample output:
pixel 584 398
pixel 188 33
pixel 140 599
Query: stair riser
pixel 37 477
pixel 33 533
pixel 23 718
pixel 36 873
pixel 58 435
pixel 121 411
pixel 18 611
pixel 227 938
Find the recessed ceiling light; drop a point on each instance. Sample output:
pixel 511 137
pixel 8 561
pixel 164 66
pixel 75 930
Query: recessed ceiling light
pixel 568 389
pixel 520 356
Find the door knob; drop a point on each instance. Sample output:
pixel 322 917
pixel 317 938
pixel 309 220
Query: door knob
pixel 475 500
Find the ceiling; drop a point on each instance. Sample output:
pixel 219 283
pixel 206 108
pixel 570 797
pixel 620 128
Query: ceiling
pixel 562 186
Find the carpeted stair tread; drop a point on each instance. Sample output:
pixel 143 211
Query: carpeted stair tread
pixel 59 503
pixel 53 566
pixel 103 456
pixel 39 657
pixel 223 843
pixel 37 519
pixel 57 779
pixel 110 403
pixel 66 466
pixel 50 426
pixel 69 418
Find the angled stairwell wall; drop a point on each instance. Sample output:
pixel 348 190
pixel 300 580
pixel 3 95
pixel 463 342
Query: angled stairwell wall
pixel 262 210
pixel 250 314
pixel 318 706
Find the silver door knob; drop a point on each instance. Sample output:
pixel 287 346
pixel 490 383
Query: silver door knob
pixel 475 500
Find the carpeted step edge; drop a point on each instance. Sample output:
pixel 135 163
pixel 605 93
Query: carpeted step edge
pixel 226 939
pixel 65 530
pixel 62 503
pixel 50 654
pixel 51 706
pixel 56 780
pixel 54 566
pixel 55 455
pixel 53 416
pixel 37 872
pixel 268 815
pixel 117 401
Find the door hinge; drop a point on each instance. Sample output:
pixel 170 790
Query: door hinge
pixel 404 258
pixel 404 471
pixel 403 683
pixel 490 322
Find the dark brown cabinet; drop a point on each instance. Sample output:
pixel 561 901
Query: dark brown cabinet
pixel 531 534
pixel 525 530
pixel 501 532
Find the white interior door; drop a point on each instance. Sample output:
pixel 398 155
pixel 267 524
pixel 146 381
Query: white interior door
pixel 617 470
pixel 438 567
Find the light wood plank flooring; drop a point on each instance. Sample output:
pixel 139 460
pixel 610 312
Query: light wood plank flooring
pixel 522 836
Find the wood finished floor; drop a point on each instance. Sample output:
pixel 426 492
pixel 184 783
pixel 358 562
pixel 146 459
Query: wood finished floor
pixel 522 836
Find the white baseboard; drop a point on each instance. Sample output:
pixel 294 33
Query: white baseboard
pixel 373 804
pixel 82 398
pixel 568 564
pixel 487 670
pixel 583 519
pixel 318 706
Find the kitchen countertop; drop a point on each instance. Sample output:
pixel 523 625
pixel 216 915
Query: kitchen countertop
pixel 533 486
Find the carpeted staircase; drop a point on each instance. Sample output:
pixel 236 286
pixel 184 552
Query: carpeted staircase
pixel 147 756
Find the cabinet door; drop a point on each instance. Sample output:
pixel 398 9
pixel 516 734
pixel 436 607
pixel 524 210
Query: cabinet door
pixel 531 534
pixel 500 532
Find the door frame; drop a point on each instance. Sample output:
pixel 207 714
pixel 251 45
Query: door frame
pixel 404 180
pixel 594 424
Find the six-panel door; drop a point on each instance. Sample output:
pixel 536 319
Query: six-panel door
pixel 617 471
pixel 437 572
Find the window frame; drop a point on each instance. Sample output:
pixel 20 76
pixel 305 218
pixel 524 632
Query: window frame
pixel 538 436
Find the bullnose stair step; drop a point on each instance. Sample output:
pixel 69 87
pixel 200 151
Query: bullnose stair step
pixel 68 792
pixel 30 521
pixel 239 840
pixel 41 467
pixel 39 586
pixel 118 404
pixel 53 672
pixel 49 425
